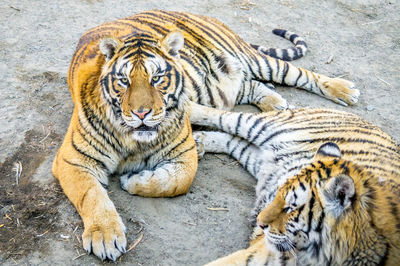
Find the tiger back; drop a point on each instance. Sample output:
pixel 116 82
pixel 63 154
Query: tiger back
pixel 220 69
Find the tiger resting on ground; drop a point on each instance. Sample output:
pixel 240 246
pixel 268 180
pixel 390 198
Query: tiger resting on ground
pixel 130 81
pixel 328 185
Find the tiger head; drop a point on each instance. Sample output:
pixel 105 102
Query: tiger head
pixel 141 83
pixel 321 213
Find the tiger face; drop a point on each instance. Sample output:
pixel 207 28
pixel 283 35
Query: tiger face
pixel 307 205
pixel 141 83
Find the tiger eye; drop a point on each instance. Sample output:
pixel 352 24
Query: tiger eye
pixel 155 78
pixel 124 80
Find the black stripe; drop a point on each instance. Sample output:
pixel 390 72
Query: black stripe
pixel 320 221
pixel 284 72
pixel 201 26
pixel 196 88
pixel 182 152
pixel 246 163
pixel 88 170
pixel 292 37
pixel 300 210
pixel 178 144
pixel 310 212
pixel 243 150
pixel 235 148
pixel 83 153
pixel 238 123
pixel 220 121
pixel 258 121
pixel 83 135
pixel 95 122
pixel 262 129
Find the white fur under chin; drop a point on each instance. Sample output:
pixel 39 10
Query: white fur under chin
pixel 144 136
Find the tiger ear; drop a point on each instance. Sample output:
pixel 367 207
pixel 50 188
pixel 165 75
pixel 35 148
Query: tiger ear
pixel 338 194
pixel 328 149
pixel 108 45
pixel 172 43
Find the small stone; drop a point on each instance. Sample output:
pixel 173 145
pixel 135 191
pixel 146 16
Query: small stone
pixel 370 108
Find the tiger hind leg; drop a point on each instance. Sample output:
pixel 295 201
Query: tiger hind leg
pixel 262 95
pixel 336 89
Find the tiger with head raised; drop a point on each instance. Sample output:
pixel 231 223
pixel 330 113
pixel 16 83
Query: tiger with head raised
pixel 131 80
pixel 327 189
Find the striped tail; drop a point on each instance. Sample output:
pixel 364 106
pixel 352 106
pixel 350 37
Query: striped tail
pixel 290 54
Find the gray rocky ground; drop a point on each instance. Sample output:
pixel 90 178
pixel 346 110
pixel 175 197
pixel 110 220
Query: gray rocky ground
pixel 358 40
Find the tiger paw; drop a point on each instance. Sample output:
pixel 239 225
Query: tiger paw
pixel 138 183
pixel 341 91
pixel 271 101
pixel 278 103
pixel 199 139
pixel 106 238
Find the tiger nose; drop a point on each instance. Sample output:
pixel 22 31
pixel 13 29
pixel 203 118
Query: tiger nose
pixel 141 113
pixel 262 226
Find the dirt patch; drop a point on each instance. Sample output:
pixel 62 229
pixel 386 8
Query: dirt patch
pixel 28 212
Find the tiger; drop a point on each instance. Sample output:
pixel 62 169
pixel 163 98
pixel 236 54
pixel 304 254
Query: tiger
pixel 131 81
pixel 327 190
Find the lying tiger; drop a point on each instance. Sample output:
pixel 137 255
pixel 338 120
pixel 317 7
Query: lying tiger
pixel 328 185
pixel 130 81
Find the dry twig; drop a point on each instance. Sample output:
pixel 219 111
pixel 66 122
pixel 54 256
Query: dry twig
pixel 17 9
pixel 330 59
pixel 18 171
pixel 77 238
pixel 219 157
pixel 343 75
pixel 387 83
pixel 45 137
pixel 140 228
pixel 80 255
pixel 136 243
pixel 8 217
pixel 42 234
pixel 233 163
pixel 218 209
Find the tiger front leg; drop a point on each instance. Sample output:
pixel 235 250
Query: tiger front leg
pixel 104 231
pixel 168 179
pixel 257 254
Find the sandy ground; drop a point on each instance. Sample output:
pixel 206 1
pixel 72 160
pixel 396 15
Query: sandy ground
pixel 358 40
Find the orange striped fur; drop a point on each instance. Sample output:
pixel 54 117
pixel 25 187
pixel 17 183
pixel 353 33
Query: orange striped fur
pixel 327 185
pixel 131 80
